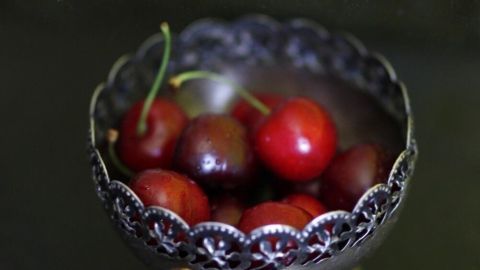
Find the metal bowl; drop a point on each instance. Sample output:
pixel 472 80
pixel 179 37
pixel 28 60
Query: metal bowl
pixel 297 57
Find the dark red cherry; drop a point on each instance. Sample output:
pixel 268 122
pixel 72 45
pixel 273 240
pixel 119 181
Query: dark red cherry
pixel 351 174
pixel 173 191
pixel 155 148
pixel 227 209
pixel 269 213
pixel 250 116
pixel 297 140
pixel 307 203
pixel 214 150
pixel 286 188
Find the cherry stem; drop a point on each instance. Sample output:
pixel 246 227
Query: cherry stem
pixel 112 137
pixel 179 79
pixel 142 122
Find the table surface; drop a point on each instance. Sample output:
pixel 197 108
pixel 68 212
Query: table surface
pixel 53 53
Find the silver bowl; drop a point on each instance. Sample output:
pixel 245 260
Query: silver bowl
pixel 297 57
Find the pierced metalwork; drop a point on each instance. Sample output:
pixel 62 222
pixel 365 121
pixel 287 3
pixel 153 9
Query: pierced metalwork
pixel 218 246
pixel 326 236
pixel 273 247
pixel 166 233
pixel 335 240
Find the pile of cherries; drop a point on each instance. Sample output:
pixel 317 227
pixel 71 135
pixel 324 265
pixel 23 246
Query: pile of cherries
pixel 270 160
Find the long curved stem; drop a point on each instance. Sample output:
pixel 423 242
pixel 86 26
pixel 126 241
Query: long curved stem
pixel 142 122
pixel 179 79
pixel 112 136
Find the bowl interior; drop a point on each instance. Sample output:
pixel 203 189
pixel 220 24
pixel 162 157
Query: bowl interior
pixel 269 59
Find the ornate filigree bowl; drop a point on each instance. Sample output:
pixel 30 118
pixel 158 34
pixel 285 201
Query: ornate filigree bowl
pixel 260 53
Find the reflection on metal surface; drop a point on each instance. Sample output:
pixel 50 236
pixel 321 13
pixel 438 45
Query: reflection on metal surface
pixel 335 240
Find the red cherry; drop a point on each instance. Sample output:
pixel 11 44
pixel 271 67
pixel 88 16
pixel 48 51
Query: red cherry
pixel 273 213
pixel 227 209
pixel 155 148
pixel 307 203
pixel 213 149
pixel 297 140
pixel 251 117
pixel 149 130
pixel 173 191
pixel 351 174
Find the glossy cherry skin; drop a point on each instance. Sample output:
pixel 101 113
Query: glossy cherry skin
pixel 227 209
pixel 251 117
pixel 172 191
pixel 214 150
pixel 297 140
pixel 351 174
pixel 268 213
pixel 307 203
pixel 154 149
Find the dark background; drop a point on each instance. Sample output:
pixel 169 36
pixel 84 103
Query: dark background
pixel 53 54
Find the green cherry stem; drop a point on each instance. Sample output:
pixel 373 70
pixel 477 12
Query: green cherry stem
pixel 112 137
pixel 179 79
pixel 142 122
